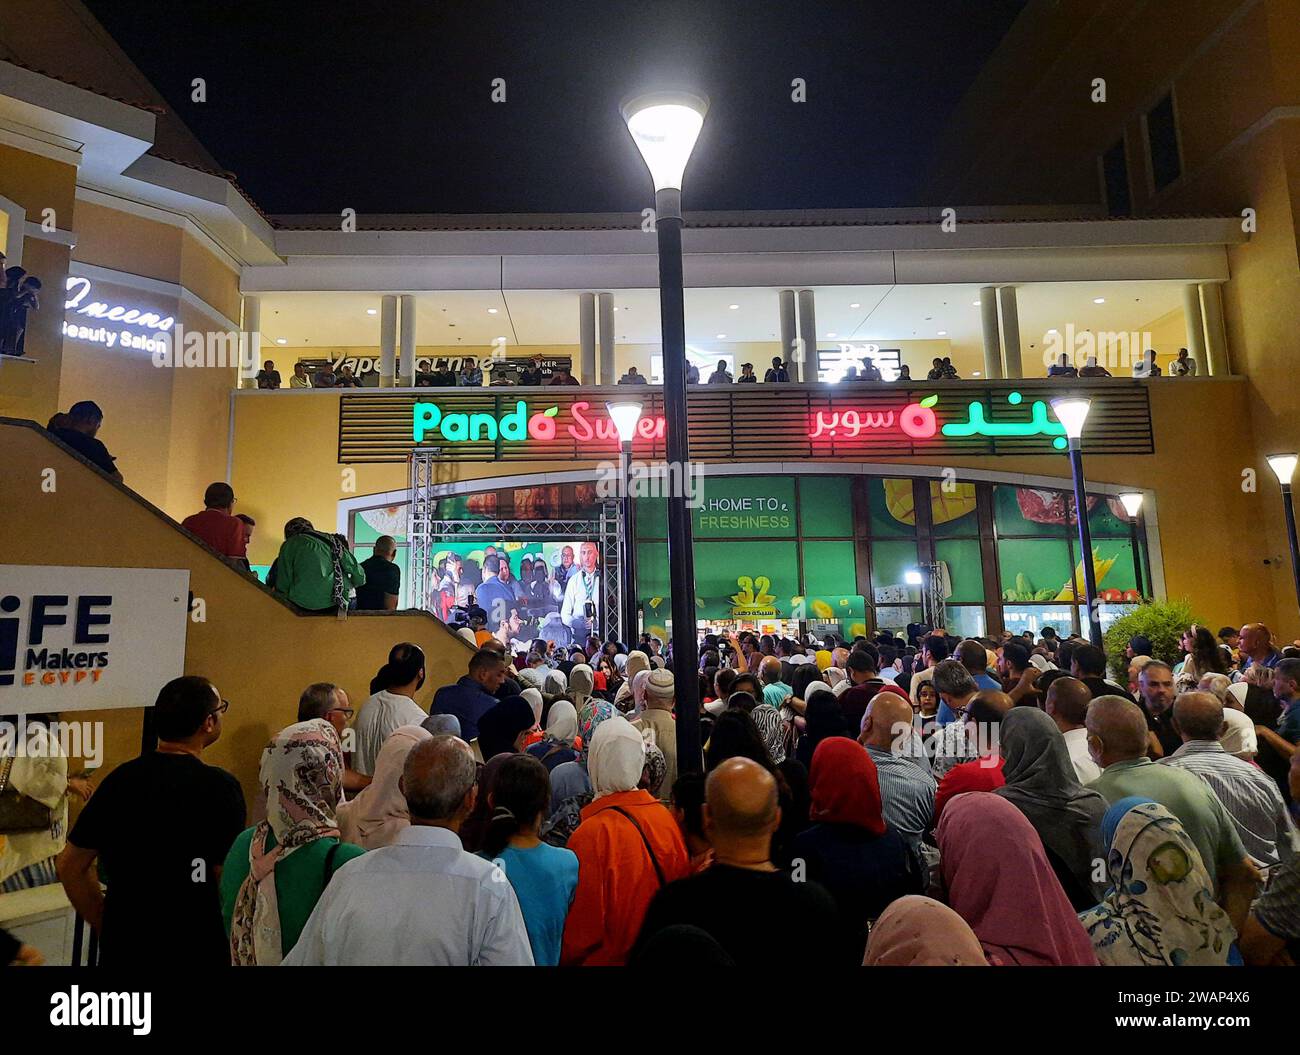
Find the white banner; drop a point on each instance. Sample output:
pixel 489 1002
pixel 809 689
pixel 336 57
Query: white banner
pixel 80 639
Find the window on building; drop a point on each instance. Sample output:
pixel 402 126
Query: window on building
pixel 1162 141
pixel 1114 170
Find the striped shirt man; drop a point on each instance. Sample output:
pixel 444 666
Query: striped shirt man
pixel 1250 797
pixel 907 794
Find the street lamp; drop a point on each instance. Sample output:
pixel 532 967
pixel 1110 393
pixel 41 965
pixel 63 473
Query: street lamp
pixel 1284 466
pixel 626 416
pixel 1072 412
pixel 1132 502
pixel 665 126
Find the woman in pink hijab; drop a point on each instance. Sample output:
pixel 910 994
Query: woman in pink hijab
pixel 1000 882
pixel 378 813
pixel 917 931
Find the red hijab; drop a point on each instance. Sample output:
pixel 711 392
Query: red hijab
pixel 1000 882
pixel 968 776
pixel 844 785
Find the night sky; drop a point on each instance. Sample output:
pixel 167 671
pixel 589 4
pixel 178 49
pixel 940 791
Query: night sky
pixel 385 107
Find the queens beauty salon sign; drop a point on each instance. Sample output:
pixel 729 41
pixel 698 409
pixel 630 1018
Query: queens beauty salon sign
pixel 79 639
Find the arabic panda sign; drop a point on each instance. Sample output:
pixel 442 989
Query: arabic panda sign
pixel 79 639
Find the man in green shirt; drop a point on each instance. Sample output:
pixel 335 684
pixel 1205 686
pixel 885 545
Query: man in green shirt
pixel 1117 741
pixel 314 570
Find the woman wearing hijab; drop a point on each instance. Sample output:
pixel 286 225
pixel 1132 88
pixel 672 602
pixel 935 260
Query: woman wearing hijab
pixel 636 662
pixel 849 848
pixel 979 774
pixel 917 931
pixel 538 704
pixel 378 813
pixel 628 848
pixel 570 784
pixel 556 683
pixel 556 746
pixel 441 725
pixel 1160 909
pixel 277 870
pixel 823 658
pixel 999 881
pixel 582 685
pixel 502 729
pixel 1040 781
pixel 475 826
pixel 639 683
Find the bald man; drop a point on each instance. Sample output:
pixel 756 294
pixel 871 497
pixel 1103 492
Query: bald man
pixel 1247 793
pixel 1067 705
pixel 906 785
pixel 775 691
pixel 1117 739
pixel 743 887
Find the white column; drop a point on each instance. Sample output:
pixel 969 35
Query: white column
pixel 587 338
pixel 808 334
pixel 1010 332
pixel 408 340
pixel 992 343
pixel 605 306
pixel 252 341
pixel 1216 338
pixel 788 330
pixel 388 341
pixel 1195 327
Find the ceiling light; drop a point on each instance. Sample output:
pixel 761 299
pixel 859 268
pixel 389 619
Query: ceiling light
pixel 372 311
pixel 943 333
pixel 975 303
pixel 733 307
pixel 281 340
pixel 855 304
pixel 1099 300
pixel 721 336
pixel 831 334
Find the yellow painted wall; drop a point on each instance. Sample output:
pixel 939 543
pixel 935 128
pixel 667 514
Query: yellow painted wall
pixel 1203 441
pixel 258 652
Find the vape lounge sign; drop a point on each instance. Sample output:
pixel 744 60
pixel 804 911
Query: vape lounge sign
pixel 77 639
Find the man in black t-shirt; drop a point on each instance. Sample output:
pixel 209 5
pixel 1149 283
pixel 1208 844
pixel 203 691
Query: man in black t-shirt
pixel 731 899
pixel 159 828
pixel 78 430
pixel 383 578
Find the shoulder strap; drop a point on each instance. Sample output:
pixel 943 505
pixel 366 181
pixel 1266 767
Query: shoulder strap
pixel 648 849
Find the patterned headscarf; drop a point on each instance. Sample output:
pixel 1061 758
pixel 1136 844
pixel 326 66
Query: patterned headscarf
pixel 589 719
pixel 772 729
pixel 1160 909
pixel 302 774
pixel 656 768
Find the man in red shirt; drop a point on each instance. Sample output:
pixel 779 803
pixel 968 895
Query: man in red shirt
pixel 215 525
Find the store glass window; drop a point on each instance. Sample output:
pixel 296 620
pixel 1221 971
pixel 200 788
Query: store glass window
pixel 1018 618
pixel 965 564
pixel 1030 511
pixel 829 569
pixel 825 507
pixel 952 509
pixel 964 620
pixel 892 511
pixel 1034 570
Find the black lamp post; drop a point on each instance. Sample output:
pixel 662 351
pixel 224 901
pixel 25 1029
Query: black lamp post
pixel 1072 412
pixel 1284 466
pixel 1132 502
pixel 665 126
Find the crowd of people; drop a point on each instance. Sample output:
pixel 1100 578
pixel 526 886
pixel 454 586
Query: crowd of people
pixel 874 801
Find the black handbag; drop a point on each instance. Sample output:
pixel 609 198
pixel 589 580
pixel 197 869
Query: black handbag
pixel 19 812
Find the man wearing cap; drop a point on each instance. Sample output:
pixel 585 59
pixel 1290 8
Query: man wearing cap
pixel 660 694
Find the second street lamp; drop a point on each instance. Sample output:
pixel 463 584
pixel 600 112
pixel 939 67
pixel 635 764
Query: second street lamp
pixel 664 127
pixel 1283 465
pixel 1132 502
pixel 1072 412
pixel 626 416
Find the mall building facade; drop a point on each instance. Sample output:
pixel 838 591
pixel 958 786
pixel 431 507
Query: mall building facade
pixel 131 226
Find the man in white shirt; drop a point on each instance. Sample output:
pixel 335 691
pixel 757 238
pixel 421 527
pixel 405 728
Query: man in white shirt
pixel 423 901
pixel 1067 705
pixel 391 707
pixel 581 588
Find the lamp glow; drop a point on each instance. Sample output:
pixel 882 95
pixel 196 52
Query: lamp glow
pixel 1284 466
pixel 1072 412
pixel 625 417
pixel 1132 502
pixel 664 126
pixel 912 577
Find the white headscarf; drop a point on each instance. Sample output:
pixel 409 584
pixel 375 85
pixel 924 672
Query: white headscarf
pixel 562 722
pixel 814 688
pixel 617 757
pixel 534 698
pixel 379 811
pixel 582 683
